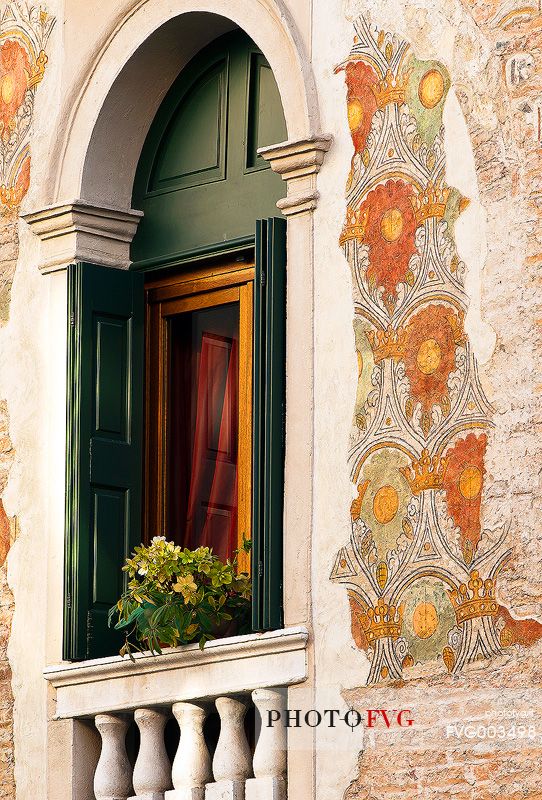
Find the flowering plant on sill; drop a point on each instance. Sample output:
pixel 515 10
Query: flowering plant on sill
pixel 177 596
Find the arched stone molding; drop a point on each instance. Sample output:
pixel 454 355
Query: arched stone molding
pixel 138 52
pixel 106 116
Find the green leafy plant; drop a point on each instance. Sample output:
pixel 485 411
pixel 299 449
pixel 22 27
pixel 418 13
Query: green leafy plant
pixel 177 596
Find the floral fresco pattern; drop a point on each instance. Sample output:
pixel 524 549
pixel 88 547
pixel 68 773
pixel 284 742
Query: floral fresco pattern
pixel 420 570
pixel 24 33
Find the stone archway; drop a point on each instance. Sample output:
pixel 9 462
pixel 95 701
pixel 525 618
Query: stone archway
pixel 110 110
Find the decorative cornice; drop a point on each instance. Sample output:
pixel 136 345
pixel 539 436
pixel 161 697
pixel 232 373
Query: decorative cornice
pixel 298 163
pixel 239 663
pixel 81 231
pixel 298 203
pixel 297 159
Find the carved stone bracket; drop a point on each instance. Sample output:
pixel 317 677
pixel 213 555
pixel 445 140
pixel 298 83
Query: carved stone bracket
pixel 82 231
pixel 298 163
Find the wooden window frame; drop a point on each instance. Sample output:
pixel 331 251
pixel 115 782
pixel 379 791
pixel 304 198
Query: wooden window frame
pixel 165 297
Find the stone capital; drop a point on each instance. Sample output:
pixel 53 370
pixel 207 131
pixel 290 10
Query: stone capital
pixel 298 163
pixel 82 231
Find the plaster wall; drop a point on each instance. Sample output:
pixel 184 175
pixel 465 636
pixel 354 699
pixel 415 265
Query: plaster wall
pixel 493 150
pixel 27 483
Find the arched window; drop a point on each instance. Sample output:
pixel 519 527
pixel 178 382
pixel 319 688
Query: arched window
pixel 176 367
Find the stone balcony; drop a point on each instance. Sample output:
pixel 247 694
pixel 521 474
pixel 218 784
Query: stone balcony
pixel 174 726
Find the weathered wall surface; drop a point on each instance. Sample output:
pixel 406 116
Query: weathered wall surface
pixel 466 742
pixel 24 34
pixel 489 55
pixel 420 569
pixel 492 149
pixel 7 529
pixel 503 114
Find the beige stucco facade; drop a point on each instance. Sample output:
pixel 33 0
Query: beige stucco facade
pixel 109 65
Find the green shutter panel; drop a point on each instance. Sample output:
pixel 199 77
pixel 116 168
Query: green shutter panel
pixel 268 415
pixel 104 450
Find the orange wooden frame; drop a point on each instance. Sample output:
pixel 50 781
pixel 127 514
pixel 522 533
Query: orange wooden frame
pixel 166 297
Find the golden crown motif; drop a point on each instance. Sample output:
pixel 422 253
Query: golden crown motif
pixel 430 202
pixel 427 472
pixel 476 599
pixel 355 225
pixel 391 88
pixel 390 343
pixel 383 620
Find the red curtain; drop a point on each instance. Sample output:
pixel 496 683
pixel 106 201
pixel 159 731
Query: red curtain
pixel 212 500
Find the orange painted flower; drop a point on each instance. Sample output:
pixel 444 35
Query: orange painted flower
pixel 463 482
pixel 518 631
pixel 361 103
pixel 389 233
pixel 14 69
pixel 432 335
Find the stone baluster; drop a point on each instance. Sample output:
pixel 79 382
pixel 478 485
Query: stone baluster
pixel 192 764
pixel 113 776
pixel 232 762
pixel 152 771
pixel 269 782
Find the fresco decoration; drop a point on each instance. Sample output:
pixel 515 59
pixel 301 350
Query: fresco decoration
pixel 24 33
pixel 420 570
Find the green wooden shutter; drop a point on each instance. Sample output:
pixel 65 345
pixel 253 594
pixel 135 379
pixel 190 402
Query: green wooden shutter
pixel 104 450
pixel 268 415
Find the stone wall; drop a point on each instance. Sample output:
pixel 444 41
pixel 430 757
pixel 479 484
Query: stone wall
pixel 467 741
pixel 504 116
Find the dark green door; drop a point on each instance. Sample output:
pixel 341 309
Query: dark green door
pixel 104 449
pixel 200 181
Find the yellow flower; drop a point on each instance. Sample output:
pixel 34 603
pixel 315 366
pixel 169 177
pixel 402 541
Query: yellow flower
pixel 185 585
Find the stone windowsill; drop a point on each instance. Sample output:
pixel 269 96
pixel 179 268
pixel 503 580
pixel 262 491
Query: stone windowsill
pixel 224 666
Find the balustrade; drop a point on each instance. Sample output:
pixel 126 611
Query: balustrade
pixel 234 773
pixel 269 761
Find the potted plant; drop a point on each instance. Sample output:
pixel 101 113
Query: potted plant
pixel 178 596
